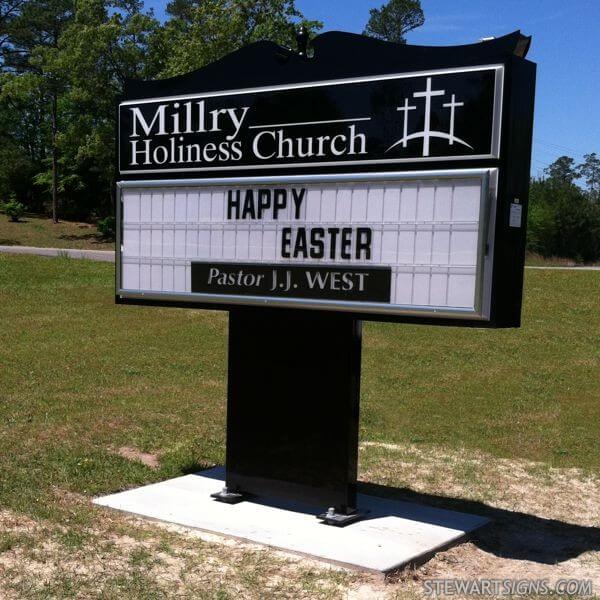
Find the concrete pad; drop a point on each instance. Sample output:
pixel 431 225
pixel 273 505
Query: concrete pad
pixel 393 535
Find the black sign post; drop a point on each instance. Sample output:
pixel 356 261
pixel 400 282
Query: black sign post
pixel 293 406
pixel 306 194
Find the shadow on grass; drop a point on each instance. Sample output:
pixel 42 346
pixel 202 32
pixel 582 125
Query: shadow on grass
pixel 193 468
pixel 10 243
pixel 511 534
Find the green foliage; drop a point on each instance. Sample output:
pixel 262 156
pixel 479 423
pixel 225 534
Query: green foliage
pixel 62 67
pixel 15 210
pixel 201 32
pixel 394 20
pixel 107 227
pixel 562 170
pixel 590 171
pixel 563 220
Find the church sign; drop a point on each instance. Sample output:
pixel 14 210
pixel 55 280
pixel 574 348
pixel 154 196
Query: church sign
pixel 380 194
pixel 303 195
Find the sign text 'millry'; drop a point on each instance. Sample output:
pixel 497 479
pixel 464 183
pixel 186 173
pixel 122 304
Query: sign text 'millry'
pixel 188 117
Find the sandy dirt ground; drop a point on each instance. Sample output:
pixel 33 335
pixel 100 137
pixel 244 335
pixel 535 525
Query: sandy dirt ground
pixel 546 525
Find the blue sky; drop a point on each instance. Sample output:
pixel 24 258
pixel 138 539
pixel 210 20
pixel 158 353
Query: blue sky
pixel 566 47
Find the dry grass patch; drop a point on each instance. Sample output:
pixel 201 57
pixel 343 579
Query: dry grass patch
pixel 146 458
pixel 40 231
pixel 545 526
pixel 568 494
pixel 127 558
pixel 546 521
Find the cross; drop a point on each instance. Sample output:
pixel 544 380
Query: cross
pixel 428 93
pixel 405 110
pixel 452 105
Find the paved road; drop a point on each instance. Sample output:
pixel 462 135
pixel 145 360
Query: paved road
pixel 103 255
pixel 109 255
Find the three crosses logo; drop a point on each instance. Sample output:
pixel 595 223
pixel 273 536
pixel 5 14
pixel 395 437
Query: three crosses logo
pixel 427 132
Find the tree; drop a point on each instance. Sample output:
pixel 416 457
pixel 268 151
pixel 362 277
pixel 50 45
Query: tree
pixel 9 11
pixel 108 42
pixel 563 221
pixel 394 20
pixel 63 64
pixel 30 60
pixel 24 137
pixel 57 104
pixel 202 31
pixel 562 171
pixel 590 171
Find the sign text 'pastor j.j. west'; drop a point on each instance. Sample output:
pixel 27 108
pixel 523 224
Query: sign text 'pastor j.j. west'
pixel 383 119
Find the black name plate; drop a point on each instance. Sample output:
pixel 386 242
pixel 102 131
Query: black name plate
pixel 449 115
pixel 362 284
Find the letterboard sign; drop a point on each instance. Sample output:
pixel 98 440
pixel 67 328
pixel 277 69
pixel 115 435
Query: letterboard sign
pixel 377 191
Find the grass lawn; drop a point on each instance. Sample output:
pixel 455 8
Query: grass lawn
pixel 81 378
pixel 40 231
pixel 531 393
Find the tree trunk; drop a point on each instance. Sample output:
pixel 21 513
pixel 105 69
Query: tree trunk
pixel 54 162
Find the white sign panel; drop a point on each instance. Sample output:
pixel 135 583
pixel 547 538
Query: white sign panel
pixel 377 243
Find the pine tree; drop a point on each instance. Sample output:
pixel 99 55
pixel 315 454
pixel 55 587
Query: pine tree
pixel 30 62
pixel 561 171
pixel 394 20
pixel 590 171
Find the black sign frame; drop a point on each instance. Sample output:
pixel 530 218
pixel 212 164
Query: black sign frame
pixel 265 65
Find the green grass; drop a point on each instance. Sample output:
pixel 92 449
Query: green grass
pixel 40 231
pixel 81 377
pixel 529 393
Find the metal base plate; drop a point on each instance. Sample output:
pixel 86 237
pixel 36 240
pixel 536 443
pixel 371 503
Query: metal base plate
pixel 337 519
pixel 228 497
